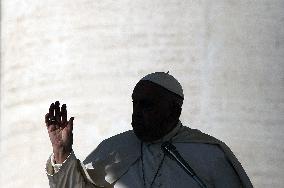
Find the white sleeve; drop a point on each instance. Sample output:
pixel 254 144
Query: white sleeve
pixel 57 166
pixel 69 174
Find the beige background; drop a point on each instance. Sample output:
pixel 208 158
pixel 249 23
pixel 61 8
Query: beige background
pixel 228 55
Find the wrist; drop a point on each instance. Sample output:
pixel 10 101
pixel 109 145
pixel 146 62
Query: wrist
pixel 61 155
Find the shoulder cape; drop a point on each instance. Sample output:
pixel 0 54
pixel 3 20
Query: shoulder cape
pixel 113 157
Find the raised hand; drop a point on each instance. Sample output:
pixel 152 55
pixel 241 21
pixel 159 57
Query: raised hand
pixel 60 131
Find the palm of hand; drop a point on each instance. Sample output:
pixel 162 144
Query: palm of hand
pixel 59 129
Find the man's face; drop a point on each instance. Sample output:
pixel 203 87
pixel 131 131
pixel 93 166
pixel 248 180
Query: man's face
pixel 151 117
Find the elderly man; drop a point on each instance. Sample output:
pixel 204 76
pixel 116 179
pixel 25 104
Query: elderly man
pixel 158 152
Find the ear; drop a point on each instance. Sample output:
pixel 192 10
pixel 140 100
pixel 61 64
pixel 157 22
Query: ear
pixel 176 110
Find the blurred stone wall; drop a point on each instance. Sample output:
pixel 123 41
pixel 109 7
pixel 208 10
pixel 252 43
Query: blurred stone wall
pixel 228 55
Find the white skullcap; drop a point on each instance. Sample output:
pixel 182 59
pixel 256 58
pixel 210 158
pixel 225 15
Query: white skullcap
pixel 166 81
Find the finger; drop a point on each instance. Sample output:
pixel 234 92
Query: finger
pixel 57 111
pixel 49 121
pixel 64 114
pixel 51 111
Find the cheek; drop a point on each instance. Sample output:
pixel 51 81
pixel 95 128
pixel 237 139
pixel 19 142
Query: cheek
pixel 153 117
pixel 157 115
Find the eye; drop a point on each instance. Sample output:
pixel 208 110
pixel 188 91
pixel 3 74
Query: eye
pixel 147 105
pixel 144 104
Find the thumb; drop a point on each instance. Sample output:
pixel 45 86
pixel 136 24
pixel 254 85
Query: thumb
pixel 70 123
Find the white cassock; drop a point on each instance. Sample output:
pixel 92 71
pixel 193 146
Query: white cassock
pixel 123 162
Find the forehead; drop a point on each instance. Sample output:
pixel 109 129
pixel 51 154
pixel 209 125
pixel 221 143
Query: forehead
pixel 147 89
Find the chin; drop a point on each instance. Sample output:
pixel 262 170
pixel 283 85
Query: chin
pixel 144 136
pixel 140 134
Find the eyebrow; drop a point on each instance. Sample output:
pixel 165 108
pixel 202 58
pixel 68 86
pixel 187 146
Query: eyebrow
pixel 144 98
